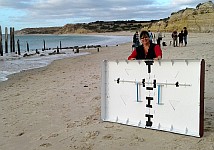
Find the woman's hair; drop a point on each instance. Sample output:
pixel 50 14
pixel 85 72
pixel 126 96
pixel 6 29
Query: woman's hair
pixel 143 34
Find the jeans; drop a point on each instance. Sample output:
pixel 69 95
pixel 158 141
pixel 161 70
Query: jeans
pixel 175 42
pixel 185 40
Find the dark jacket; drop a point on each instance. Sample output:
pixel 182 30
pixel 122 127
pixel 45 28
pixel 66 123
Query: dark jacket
pixel 141 53
pixel 185 32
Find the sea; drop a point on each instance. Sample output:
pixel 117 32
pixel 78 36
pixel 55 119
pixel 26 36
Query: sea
pixel 11 62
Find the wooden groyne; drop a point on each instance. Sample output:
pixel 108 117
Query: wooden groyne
pixel 15 45
pixel 12 41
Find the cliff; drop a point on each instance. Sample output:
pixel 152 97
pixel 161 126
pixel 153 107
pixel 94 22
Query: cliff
pixel 199 19
pixel 41 30
pixel 92 27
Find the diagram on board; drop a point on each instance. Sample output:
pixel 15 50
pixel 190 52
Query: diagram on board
pixel 154 94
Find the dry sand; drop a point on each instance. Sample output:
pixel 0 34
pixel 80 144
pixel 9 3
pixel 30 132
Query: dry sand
pixel 58 107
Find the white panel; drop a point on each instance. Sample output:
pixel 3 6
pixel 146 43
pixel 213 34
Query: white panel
pixel 173 108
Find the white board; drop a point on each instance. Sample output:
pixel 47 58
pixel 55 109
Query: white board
pixel 164 95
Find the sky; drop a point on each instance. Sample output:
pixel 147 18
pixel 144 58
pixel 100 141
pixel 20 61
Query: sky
pixel 51 13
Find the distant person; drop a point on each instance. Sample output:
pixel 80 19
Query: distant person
pixel 175 38
pixel 147 50
pixel 150 35
pixel 154 39
pixel 180 38
pixel 185 36
pixel 159 38
pixel 136 40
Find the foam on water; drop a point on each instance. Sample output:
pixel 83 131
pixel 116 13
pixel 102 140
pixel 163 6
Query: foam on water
pixel 12 63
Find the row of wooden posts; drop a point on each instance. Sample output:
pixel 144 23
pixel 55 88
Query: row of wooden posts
pixel 12 41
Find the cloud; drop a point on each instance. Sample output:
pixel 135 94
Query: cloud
pixel 79 10
pixel 32 13
pixel 100 10
pixel 182 4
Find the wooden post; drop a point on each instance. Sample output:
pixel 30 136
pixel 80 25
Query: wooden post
pixel 28 47
pixel 57 50
pixel 6 40
pixel 18 46
pixel 11 40
pixel 60 45
pixel 13 36
pixel 44 45
pixel 98 49
pixel 77 50
pixel 1 47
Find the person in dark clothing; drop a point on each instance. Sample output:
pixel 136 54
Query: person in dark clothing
pixel 136 41
pixel 175 38
pixel 181 37
pixel 185 35
pixel 147 50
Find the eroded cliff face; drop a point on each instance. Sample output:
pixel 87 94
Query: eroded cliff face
pixel 200 19
pixel 42 30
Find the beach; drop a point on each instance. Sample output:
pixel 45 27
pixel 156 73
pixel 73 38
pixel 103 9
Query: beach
pixel 58 107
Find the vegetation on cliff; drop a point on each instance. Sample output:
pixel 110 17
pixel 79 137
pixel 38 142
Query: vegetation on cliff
pixel 200 19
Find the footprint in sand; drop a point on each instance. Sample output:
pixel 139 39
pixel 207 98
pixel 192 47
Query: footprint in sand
pixel 46 144
pixel 108 137
pixel 53 135
pixel 91 135
pixel 20 134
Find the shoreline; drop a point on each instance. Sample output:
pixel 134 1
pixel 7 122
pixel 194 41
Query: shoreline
pixel 40 58
pixel 80 54
pixel 58 106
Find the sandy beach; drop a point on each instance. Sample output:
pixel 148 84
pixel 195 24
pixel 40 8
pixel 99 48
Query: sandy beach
pixel 58 107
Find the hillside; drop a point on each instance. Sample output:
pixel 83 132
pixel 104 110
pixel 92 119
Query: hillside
pixel 199 19
pixel 92 27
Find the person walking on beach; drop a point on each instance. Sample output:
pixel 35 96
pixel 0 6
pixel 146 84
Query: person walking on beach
pixel 150 35
pixel 181 37
pixel 136 41
pixel 175 38
pixel 159 38
pixel 147 50
pixel 185 36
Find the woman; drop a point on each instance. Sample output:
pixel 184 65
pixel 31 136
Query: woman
pixel 147 50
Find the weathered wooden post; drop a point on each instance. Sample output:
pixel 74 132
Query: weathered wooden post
pixel 6 40
pixel 28 47
pixel 1 48
pixel 43 45
pixel 57 50
pixel 11 40
pixel 60 45
pixel 13 36
pixel 77 50
pixel 18 46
